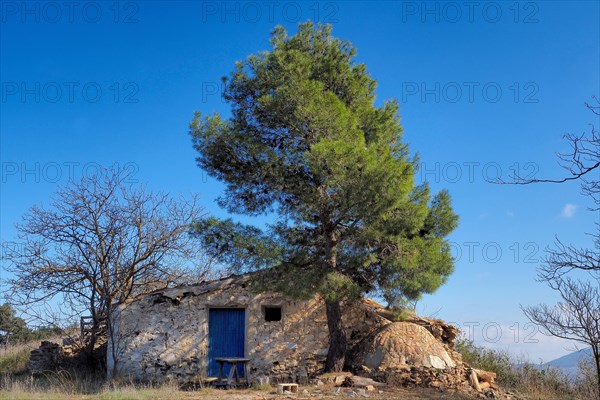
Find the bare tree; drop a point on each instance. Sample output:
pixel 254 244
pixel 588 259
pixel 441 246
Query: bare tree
pixel 101 242
pixel 576 317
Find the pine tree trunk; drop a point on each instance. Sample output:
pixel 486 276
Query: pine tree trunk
pixel 337 338
pixel 336 356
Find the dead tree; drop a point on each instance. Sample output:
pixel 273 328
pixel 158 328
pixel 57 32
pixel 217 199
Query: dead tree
pixel 102 242
pixel 576 317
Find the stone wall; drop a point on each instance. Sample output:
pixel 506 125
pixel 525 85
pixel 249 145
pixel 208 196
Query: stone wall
pixel 165 335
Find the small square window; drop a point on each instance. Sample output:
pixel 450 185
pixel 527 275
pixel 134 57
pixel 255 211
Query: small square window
pixel 272 314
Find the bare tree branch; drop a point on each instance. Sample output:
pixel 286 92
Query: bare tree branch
pixel 582 162
pixel 576 317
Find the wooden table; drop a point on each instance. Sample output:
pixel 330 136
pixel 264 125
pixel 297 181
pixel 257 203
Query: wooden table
pixel 233 372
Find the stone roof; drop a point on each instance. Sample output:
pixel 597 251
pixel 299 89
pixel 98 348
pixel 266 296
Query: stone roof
pixel 202 287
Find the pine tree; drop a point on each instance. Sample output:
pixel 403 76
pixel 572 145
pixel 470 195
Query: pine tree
pixel 305 142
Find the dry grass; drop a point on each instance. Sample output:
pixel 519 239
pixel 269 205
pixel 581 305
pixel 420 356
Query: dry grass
pixel 171 393
pixel 70 387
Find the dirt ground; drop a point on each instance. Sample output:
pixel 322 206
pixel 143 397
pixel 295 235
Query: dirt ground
pixel 343 393
pixel 213 394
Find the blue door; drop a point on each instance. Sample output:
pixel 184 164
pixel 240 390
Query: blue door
pixel 226 331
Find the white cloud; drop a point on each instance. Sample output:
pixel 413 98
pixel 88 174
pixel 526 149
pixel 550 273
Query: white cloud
pixel 568 210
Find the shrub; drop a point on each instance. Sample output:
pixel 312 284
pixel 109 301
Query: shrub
pixel 531 380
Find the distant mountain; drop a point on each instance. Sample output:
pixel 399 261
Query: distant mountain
pixel 570 363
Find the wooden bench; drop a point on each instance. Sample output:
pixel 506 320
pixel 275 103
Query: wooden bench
pixel 289 387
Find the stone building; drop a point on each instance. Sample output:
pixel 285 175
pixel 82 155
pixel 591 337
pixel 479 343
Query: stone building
pixel 176 334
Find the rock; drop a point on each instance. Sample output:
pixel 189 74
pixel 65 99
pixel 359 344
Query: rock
pixel 491 394
pixel 365 369
pixel 361 382
pixel 435 362
pixel 302 376
pixel 485 376
pixel 474 381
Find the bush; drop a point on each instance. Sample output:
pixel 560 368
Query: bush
pixel 588 380
pixel 496 361
pixel 528 379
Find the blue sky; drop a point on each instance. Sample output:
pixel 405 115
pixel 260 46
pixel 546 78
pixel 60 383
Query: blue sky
pixel 484 88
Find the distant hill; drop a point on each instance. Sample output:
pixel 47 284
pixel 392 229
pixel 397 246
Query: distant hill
pixel 570 363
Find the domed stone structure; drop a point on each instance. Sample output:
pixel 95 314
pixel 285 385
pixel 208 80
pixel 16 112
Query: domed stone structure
pixel 400 345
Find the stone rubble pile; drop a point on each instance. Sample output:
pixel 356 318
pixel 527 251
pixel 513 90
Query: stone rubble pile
pixel 52 356
pixel 460 378
pixel 456 379
pixel 45 358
